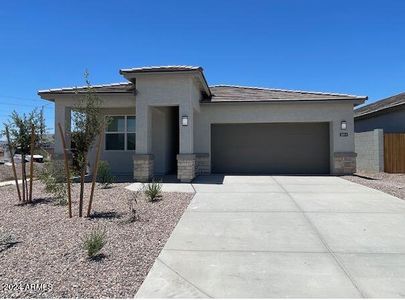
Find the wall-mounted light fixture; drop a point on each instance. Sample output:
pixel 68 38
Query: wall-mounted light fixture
pixel 343 125
pixel 184 120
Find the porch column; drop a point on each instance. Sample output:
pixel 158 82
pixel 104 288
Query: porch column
pixel 343 160
pixel 186 132
pixel 186 163
pixel 62 116
pixel 143 158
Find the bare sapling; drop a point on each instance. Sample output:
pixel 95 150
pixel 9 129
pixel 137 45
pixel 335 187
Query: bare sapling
pixel 32 160
pixel 67 169
pixel 95 170
pixel 88 123
pixel 11 151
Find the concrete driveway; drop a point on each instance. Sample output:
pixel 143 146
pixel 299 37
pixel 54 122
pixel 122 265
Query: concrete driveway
pixel 283 236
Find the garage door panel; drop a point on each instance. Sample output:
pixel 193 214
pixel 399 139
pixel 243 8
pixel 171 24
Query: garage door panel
pixel 271 148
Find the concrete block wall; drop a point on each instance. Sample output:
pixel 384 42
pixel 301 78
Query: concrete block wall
pixel 369 147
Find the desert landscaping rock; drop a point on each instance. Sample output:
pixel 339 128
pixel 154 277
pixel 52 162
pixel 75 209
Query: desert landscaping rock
pixel 393 184
pixel 49 250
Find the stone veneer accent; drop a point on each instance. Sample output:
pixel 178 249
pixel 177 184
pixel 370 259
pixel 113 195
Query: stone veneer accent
pixel 143 167
pixel 186 166
pixel 344 163
pixel 202 164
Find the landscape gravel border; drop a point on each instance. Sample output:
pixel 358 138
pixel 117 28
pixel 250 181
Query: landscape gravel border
pixel 48 260
pixel 393 184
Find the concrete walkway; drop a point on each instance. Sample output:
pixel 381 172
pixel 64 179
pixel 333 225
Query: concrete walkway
pixel 283 236
pixel 11 182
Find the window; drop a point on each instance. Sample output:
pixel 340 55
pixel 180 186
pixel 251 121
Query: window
pixel 120 133
pixel 131 129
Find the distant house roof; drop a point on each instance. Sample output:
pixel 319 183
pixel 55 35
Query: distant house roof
pixel 380 106
pixel 121 87
pixel 232 93
pixel 160 69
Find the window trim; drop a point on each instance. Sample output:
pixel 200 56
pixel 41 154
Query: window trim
pixel 125 132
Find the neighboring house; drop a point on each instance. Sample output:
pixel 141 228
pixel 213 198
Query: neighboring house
pixel 380 133
pixel 387 114
pixel 168 120
pixel 4 153
pixel 48 143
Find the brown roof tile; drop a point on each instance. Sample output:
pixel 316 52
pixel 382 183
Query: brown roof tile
pixel 231 93
pixel 381 105
pixel 121 87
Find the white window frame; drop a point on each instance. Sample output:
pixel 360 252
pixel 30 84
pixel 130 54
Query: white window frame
pixel 125 132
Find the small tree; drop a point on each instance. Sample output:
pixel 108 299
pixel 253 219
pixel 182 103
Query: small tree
pixel 53 177
pixel 23 134
pixel 88 123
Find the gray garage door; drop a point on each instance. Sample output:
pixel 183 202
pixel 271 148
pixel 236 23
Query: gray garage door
pixel 270 148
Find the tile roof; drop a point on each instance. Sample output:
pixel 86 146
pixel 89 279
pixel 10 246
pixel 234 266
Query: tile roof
pixel 121 87
pixel 222 93
pixel 161 69
pixel 232 93
pixel 381 105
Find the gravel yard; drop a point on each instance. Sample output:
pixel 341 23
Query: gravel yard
pixel 393 184
pixel 6 172
pixel 49 245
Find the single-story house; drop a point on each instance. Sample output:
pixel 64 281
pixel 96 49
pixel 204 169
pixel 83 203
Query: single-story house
pixel 168 120
pixel 379 135
pixel 387 114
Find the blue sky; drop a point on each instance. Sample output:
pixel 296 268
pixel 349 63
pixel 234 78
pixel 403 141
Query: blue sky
pixel 355 47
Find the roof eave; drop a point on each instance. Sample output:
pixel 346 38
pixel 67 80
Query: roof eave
pixel 46 96
pixel 360 100
pixel 205 84
pixel 355 101
pixel 162 70
pixel 50 95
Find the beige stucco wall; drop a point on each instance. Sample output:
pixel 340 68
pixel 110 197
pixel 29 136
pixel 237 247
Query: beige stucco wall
pixel 166 90
pixel 333 113
pixel 182 91
pixel 113 104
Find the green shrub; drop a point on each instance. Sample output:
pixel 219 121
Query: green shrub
pixel 104 176
pixel 53 177
pixel 153 191
pixel 94 241
pixel 6 238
